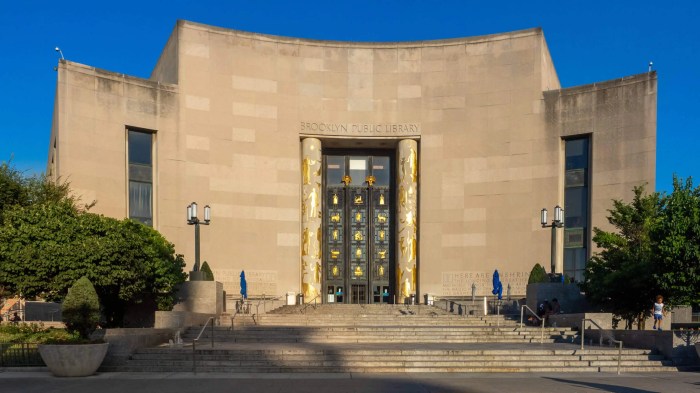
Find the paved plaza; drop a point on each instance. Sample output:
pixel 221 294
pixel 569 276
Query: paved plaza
pixel 43 382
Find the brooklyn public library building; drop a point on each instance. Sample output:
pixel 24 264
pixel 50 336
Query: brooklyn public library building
pixel 357 172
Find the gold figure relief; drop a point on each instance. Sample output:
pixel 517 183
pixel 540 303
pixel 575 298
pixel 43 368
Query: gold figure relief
pixel 358 199
pixel 306 170
pixel 335 217
pixel 319 235
pixel 335 254
pixel 370 180
pixel 317 273
pixel 382 254
pixel 381 199
pixel 335 271
pixel 358 253
pixel 312 203
pixel 358 235
pixel 347 180
pixel 412 248
pixel 335 199
pixel 358 216
pixel 305 242
pixel 381 235
pixel 403 196
pixel 413 276
pixel 381 218
pixel 380 271
pixel 413 164
pixel 358 271
pixel 335 234
pixel 402 246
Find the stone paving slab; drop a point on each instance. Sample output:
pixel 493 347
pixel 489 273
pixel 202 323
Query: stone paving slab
pixel 43 382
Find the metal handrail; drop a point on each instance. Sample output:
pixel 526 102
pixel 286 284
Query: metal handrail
pixel 232 318
pixel 612 339
pixel 264 301
pixel 522 312
pixel 303 309
pixel 194 342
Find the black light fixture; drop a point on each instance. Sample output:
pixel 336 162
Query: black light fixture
pixel 557 222
pixel 192 219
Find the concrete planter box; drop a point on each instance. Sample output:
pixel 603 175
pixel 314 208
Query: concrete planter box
pixel 78 360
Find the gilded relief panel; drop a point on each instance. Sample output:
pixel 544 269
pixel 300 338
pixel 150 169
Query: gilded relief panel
pixel 311 271
pixel 335 236
pixel 407 222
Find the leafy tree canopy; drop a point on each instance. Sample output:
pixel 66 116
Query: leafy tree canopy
pixel 676 240
pixel 654 249
pixel 47 244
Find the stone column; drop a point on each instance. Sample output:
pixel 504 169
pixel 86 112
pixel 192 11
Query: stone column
pixel 407 219
pixel 311 197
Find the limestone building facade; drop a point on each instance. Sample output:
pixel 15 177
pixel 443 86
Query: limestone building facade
pixel 357 172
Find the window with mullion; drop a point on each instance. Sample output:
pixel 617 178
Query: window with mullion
pixel 576 206
pixel 140 148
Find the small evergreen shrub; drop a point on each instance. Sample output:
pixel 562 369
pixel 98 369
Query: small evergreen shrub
pixel 206 269
pixel 81 308
pixel 538 274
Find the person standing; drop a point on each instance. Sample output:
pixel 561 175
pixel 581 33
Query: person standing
pixel 15 318
pixel 658 311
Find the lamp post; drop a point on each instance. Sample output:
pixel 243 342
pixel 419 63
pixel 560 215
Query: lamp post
pixel 557 222
pixel 192 219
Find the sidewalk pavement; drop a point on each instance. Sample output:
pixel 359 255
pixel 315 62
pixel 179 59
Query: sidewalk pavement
pixel 43 382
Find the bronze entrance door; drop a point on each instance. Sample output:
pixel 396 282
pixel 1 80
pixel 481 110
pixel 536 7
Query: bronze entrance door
pixel 357 229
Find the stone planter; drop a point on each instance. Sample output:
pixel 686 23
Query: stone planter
pixel 697 349
pixel 78 360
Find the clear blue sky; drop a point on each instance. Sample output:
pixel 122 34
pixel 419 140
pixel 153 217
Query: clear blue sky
pixel 589 40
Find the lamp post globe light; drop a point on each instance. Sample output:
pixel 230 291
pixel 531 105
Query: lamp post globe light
pixel 557 222
pixel 193 219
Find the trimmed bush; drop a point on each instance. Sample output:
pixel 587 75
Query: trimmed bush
pixel 538 274
pixel 81 308
pixel 206 269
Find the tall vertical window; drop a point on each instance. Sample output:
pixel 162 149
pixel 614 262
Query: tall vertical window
pixel 141 176
pixel 576 207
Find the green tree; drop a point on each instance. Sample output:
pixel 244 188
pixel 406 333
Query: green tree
pixel 677 245
pixel 16 189
pixel 538 274
pixel 207 270
pixel 81 308
pixel 620 277
pixel 45 248
pixel 13 187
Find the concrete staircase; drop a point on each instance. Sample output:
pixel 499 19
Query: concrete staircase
pixel 385 338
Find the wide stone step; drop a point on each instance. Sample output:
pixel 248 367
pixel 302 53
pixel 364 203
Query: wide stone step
pixel 361 340
pixel 384 369
pixel 252 359
pixel 376 339
pixel 399 363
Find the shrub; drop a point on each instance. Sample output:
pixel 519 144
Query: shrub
pixel 81 308
pixel 538 274
pixel 207 270
pixel 35 333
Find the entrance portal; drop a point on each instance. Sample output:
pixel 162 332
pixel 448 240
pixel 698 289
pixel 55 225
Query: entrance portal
pixel 357 228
